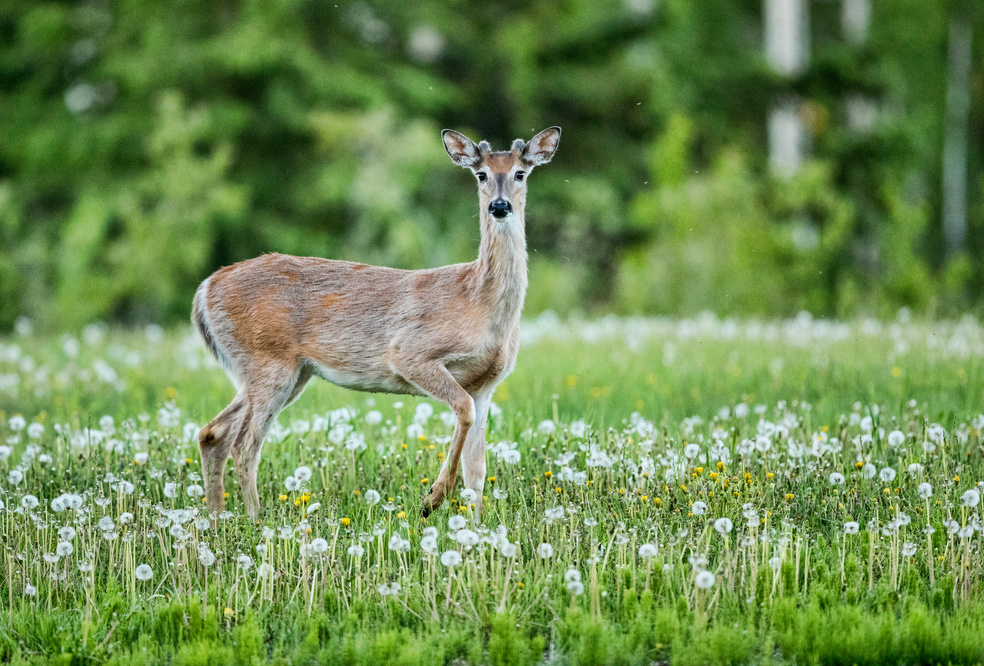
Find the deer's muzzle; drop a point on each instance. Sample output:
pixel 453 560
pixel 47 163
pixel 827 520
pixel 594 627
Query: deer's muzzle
pixel 500 208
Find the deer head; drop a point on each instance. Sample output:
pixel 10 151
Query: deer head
pixel 502 175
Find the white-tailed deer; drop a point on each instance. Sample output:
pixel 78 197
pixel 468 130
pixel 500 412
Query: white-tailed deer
pixel 451 333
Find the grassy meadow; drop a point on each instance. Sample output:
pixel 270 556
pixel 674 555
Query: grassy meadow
pixel 660 491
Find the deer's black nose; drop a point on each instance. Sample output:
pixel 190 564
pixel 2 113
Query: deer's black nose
pixel 500 208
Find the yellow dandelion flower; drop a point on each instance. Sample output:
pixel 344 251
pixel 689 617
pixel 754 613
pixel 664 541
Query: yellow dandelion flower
pixel 346 522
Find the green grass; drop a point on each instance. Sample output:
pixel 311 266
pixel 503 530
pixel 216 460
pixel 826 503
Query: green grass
pixel 636 439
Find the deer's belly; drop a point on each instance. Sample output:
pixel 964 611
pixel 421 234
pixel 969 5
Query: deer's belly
pixel 373 382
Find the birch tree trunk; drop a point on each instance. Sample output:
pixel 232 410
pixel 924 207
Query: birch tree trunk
pixel 955 139
pixel 787 50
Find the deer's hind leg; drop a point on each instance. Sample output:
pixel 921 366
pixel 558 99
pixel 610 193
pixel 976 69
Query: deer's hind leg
pixel 215 441
pixel 275 387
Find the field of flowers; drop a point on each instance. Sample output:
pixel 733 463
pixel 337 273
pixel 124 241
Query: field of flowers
pixel 660 491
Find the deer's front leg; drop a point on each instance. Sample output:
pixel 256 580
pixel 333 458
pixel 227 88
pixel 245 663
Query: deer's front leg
pixel 434 380
pixel 473 456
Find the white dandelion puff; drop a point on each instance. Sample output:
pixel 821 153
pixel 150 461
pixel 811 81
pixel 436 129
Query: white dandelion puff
pixel 723 525
pixel 705 580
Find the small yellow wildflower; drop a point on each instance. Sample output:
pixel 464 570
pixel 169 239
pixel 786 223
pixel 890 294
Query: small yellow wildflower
pixel 346 522
pixel 282 498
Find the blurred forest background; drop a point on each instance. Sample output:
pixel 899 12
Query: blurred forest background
pixel 752 157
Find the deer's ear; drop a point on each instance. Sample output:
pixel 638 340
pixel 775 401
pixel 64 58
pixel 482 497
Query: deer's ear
pixel 462 150
pixel 542 147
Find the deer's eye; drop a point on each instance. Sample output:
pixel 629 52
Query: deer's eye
pixel 481 176
pixel 520 175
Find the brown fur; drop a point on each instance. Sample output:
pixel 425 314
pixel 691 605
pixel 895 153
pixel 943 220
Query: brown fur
pixel 451 333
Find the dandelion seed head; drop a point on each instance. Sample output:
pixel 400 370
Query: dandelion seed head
pixel 705 579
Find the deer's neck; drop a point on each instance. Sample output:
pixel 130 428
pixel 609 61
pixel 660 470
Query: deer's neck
pixel 501 266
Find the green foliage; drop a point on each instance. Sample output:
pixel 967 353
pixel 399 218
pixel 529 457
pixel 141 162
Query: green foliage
pixel 144 145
